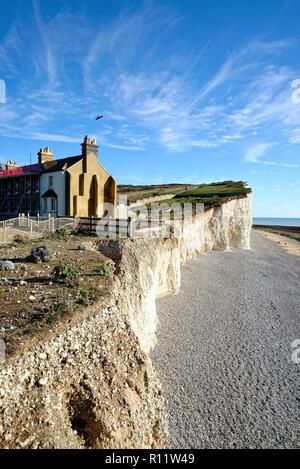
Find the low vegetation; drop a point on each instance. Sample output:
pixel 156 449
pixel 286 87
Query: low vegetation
pixel 218 189
pixel 36 297
pixel 56 311
pixel 19 239
pixel 134 193
pixel 104 270
pixel 88 296
pixel 65 273
pixel 286 231
pixel 60 234
pixel 209 194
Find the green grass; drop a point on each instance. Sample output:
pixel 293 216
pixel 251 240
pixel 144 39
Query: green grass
pixel 88 296
pixel 104 270
pixel 56 311
pixel 60 234
pixel 135 193
pixel 222 189
pixel 208 202
pixel 211 195
pixel 65 273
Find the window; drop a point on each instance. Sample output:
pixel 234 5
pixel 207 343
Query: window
pixel 81 184
pixel 53 204
pixel 50 181
pixel 45 205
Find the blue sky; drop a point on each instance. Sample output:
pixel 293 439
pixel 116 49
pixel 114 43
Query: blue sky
pixel 191 91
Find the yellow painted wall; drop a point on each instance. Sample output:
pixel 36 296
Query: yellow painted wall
pixel 98 187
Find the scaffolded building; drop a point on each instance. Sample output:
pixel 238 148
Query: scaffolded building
pixel 72 186
pixel 19 190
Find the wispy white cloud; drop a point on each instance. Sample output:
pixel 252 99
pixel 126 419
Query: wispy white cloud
pixel 254 154
pixel 9 49
pixel 47 57
pixel 180 117
pixel 149 95
pixel 282 165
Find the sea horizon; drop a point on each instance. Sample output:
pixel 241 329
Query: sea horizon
pixel 276 221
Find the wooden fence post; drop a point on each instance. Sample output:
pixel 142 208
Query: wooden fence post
pixel 129 227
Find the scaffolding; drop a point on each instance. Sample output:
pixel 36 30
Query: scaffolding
pixel 19 194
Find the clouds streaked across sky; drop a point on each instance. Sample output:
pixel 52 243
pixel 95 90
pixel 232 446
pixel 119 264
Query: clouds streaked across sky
pixel 190 91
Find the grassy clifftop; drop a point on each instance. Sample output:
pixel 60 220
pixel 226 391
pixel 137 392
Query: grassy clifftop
pixel 134 193
pixel 209 194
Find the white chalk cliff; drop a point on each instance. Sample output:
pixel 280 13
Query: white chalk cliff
pixel 91 384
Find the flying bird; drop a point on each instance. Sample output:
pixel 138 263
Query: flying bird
pixel 98 117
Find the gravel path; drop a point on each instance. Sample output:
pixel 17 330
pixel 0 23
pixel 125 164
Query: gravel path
pixel 224 350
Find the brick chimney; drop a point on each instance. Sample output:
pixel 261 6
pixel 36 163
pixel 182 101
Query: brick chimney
pixel 11 164
pixel 44 155
pixel 89 150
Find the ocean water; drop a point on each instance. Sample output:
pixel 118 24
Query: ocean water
pixel 277 221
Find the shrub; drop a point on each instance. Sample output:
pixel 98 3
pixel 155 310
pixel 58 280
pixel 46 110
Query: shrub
pixel 19 239
pixel 39 406
pixel 88 296
pixel 64 273
pixel 61 233
pixel 104 270
pixel 58 308
pixel 55 311
pixel 82 296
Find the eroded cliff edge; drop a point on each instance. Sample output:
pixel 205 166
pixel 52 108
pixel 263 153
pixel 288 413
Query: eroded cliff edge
pixel 92 385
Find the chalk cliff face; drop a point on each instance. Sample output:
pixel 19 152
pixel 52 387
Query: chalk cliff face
pixel 93 384
pixel 148 269
pixel 219 228
pixel 90 387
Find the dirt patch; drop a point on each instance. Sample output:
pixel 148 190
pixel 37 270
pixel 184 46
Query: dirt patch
pixel 84 421
pixel 32 301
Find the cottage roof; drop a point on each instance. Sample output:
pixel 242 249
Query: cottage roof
pixel 47 167
pixel 59 165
